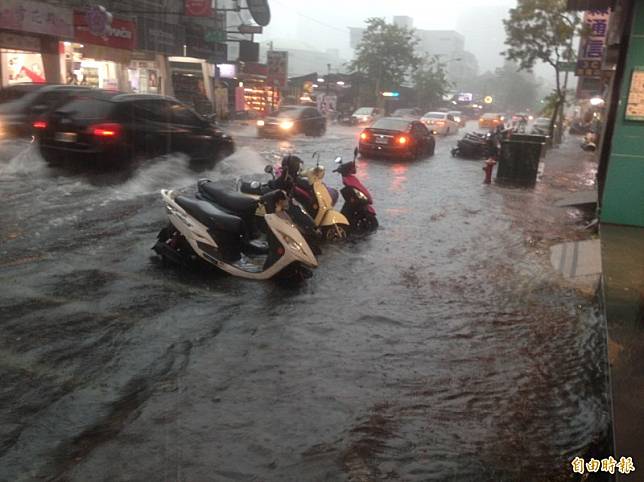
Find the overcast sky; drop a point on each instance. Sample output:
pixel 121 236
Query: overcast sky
pixel 322 25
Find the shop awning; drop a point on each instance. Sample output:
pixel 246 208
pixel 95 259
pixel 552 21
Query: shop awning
pixel 590 4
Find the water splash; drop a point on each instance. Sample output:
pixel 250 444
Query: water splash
pixel 24 159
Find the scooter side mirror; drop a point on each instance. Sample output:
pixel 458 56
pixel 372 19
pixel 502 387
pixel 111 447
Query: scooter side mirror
pixel 355 153
pixel 338 160
pixel 268 169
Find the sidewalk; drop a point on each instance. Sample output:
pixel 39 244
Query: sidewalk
pixel 623 296
pixel 614 262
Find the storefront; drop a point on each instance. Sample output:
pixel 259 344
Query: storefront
pixel 29 36
pixel 149 72
pixel 101 52
pixel 254 93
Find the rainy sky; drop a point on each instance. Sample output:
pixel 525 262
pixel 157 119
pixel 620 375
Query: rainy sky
pixel 321 25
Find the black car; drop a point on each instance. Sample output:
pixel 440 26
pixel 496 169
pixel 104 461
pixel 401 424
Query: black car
pixel 22 104
pixel 397 138
pixel 103 129
pixel 291 120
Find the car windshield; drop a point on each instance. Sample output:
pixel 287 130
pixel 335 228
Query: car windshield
pixel 391 124
pixel 542 121
pixel 435 115
pixel 287 112
pixel 364 111
pixel 456 113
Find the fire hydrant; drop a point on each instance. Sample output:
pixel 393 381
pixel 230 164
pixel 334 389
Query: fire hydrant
pixel 489 165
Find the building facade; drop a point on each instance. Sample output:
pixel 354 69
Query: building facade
pixel 124 45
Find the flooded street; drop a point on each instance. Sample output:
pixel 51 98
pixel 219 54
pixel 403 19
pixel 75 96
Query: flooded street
pixel 442 347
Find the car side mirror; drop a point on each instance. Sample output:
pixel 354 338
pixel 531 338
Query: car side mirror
pixel 268 169
pixel 338 160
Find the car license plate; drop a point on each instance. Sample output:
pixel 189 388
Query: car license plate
pixel 382 140
pixel 65 136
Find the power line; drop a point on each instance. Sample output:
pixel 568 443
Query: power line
pixel 310 18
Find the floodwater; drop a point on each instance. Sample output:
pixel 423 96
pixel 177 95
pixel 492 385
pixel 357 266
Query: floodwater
pixel 442 347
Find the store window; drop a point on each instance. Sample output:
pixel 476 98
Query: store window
pixel 144 77
pixel 87 71
pixel 22 67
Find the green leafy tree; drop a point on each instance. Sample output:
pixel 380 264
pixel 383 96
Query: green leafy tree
pixel 542 30
pixel 430 83
pixel 513 89
pixel 386 54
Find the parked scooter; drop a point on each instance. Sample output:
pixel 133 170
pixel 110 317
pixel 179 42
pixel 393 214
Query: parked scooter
pixel 358 203
pixel 199 231
pixel 334 224
pixel 284 178
pixel 309 192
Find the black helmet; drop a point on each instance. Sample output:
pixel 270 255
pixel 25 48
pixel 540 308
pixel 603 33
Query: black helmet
pixel 291 165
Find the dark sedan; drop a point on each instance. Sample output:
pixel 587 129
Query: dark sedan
pixel 397 138
pixel 104 129
pixel 22 104
pixel 291 120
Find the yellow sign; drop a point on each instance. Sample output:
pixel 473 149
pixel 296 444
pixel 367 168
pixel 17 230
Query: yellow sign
pixel 488 99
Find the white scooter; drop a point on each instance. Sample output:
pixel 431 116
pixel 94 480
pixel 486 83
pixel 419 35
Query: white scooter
pixel 200 231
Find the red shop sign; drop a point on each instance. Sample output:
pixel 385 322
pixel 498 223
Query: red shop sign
pixel 119 34
pixel 198 8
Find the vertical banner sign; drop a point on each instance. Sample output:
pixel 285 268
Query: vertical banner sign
pixel 591 48
pixel 277 68
pixel 198 8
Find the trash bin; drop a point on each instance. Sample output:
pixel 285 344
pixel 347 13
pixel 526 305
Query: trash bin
pixel 518 162
pixel 542 139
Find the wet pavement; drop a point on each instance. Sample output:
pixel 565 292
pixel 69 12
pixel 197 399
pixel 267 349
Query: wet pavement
pixel 442 347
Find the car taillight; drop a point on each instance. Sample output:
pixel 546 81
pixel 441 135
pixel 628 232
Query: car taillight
pixel 402 140
pixel 40 124
pixel 105 130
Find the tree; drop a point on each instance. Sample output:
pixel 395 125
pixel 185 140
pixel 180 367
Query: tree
pixel 542 30
pixel 430 83
pixel 513 89
pixel 386 55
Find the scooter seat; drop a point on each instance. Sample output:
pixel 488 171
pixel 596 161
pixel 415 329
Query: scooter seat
pixel 235 203
pixel 210 216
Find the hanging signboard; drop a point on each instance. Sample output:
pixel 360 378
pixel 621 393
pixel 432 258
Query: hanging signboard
pixel 260 11
pixel 277 63
pixel 198 8
pixel 591 47
pixel 36 17
pixel 119 34
pixel 250 29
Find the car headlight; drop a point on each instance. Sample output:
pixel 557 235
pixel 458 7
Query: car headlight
pixel 286 125
pixel 260 123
